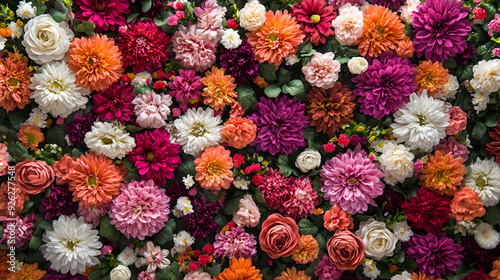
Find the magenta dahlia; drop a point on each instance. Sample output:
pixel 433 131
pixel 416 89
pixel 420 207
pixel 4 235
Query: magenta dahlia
pixel 115 103
pixel 105 14
pixel 315 18
pixel 235 243
pixel 154 156
pixel 140 210
pixel 352 181
pixel 144 46
pixel 427 210
pixel 336 4
pixel 440 28
pixel 185 86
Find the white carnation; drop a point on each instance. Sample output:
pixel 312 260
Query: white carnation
pixel 17 31
pixel 396 161
pixel 128 256
pixel 188 181
pixel 486 76
pixel 182 240
pixel 231 39
pixel 25 10
pixel 241 183
pixel 184 205
pixel 253 15
pixel 407 10
pixel 37 118
pixel 402 231
pixel 109 139
pixel 140 78
pixel 486 236
pixel 370 270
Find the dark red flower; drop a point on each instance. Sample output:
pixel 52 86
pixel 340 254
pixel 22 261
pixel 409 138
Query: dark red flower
pixel 115 103
pixel 494 147
pixel 427 210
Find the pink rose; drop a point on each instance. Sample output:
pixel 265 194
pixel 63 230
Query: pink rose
pixel 279 236
pixel 346 250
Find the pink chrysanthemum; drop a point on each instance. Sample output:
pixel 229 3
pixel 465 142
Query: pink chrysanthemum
pixel 351 180
pixel 315 18
pixel 336 4
pixel 185 86
pixel 235 243
pixel 152 110
pixel 22 229
pixel 196 51
pixel 105 14
pixel 300 203
pixel 140 210
pixel 114 103
pixel 210 16
pixel 144 46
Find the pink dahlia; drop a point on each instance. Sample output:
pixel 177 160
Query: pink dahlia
pixel 315 18
pixel 152 110
pixel 185 86
pixel 210 16
pixel 351 180
pixel 154 156
pixel 235 243
pixel 336 4
pixel 114 103
pixel 105 14
pixel 140 210
pixel 144 46
pixel 194 50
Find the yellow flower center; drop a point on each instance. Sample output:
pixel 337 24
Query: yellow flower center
pixel 481 181
pixel 315 19
pixel 272 37
pixel 107 141
pixel 72 243
pixel 352 181
pixel 197 130
pixel 150 156
pixel 92 182
pixel 13 82
pixel 213 168
pixel 421 120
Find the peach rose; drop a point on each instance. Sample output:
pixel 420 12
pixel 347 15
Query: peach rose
pixel 247 214
pixel 33 177
pixel 62 168
pixel 346 250
pixel 279 236
pixel 466 205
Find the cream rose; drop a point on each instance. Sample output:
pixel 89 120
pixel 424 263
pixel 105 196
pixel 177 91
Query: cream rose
pixel 120 272
pixel 486 76
pixel 377 239
pixel 253 15
pixel 46 40
pixel 308 160
pixel 357 65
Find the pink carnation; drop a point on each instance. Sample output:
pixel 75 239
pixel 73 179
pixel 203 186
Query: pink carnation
pixel 210 16
pixel 452 147
pixel 336 4
pixel 140 210
pixel 194 49
pixel 457 121
pixel 21 228
pixel 235 243
pixel 152 109
pixel 494 25
pixel 300 203
pixel 92 215
pixel 146 276
pixel 322 71
pixel 197 275
pixel 247 214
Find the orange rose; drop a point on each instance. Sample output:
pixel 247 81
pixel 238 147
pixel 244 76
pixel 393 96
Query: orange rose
pixel 33 177
pixel 346 250
pixel 279 236
pixel 466 205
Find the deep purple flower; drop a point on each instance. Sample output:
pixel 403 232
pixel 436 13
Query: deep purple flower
pixel 240 62
pixel 392 200
pixel 280 124
pixel 440 29
pixel 185 86
pixel 80 125
pixel 175 191
pixel 356 139
pixel 105 14
pixel 157 6
pixel 115 103
pixel 350 275
pixel 54 275
pixel 482 258
pixel 385 86
pixel 326 270
pixel 391 4
pixel 436 254
pixel 463 57
pixel 202 221
pixel 59 202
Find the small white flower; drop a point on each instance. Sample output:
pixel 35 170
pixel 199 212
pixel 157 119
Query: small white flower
pixel 480 101
pixel 109 139
pixel 17 31
pixel 2 42
pixel 291 59
pixel 403 276
pixel 25 10
pixel 188 181
pixel 357 65
pixel 140 78
pixel 370 270
pixel 241 183
pixel 127 256
pixel 182 240
pixel 231 39
pixel 402 231
pixel 308 160
pixel 484 179
pixel 464 227
pixel 486 236
pixel 486 77
pixel 184 205
pixel 37 118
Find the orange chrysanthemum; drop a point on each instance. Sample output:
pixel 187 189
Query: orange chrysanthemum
pixel 382 31
pixel 28 272
pixel 239 269
pixel 337 219
pixel 4 265
pixel 466 205
pixel 97 61
pixel 30 136
pixel 94 180
pixel 442 173
pixel 238 132
pixel 495 273
pixel 219 89
pixel 213 168
pixel 292 274
pixel 423 276
pixel 277 38
pixel 307 251
pixel 430 76
pixel 405 48
pixel 14 82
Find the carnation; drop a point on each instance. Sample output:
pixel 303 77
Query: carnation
pixel 182 240
pixel 59 202
pixel 79 127
pixel 202 221
pixel 109 139
pixel 322 71
pixel 402 231
pixel 186 87
pixel 152 110
pixel 230 39
pixel 235 243
pixel 127 256
pixel 326 270
pixel 247 214
pixel 397 162
pixel 20 227
pixel 210 16
pixel 114 103
pixel 486 77
pixel 406 10
pixel 484 179
pixel 427 210
pixel 240 62
pixel 194 48
pixel 451 146
pixel 348 25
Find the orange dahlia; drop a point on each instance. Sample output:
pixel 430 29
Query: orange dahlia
pixel 94 180
pixel 238 132
pixel 14 82
pixel 466 205
pixel 213 168
pixel 405 48
pixel 28 272
pixel 382 31
pixel 277 38
pixel 442 173
pixel 430 76
pixel 292 274
pixel 239 269
pixel 97 61
pixel 307 251
pixel 423 276
pixel 30 136
pixel 219 89
pixel 495 273
pixel 329 109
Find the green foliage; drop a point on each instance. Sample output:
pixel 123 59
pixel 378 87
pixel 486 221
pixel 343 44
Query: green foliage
pixel 306 227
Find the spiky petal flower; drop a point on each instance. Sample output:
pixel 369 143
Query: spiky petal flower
pixel 494 147
pixel 105 14
pixel 239 269
pixel 213 168
pixel 14 83
pixel 315 18
pixel 235 243
pixel 109 139
pixel 430 76
pixel 219 89
pixel 442 173
pixel 185 86
pixel 484 179
pixel 114 103
pixel 195 50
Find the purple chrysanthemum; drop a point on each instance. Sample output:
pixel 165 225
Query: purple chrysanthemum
pixel 240 63
pixel 391 4
pixel 463 57
pixel 352 181
pixel 115 103
pixel 440 29
pixel 59 202
pixel 79 127
pixel 202 221
pixel 326 270
pixel 436 254
pixel 280 123
pixel 185 86
pixel 176 190
pixel 235 243
pixel 105 14
pixel 385 86
pixel 55 275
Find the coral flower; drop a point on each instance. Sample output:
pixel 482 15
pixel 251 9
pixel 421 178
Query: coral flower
pixel 94 180
pixel 238 132
pixel 466 205
pixel 277 38
pixel 442 173
pixel 337 219
pixel 307 251
pixel 239 269
pixel 213 168
pixel 423 276
pixel 315 18
pixel 14 82
pixel 405 48
pixel 430 76
pixel 219 89
pixel 382 31
pixel 495 273
pixel 30 136
pixel 494 147
pixel 97 61
pixel 28 272
pixel 292 274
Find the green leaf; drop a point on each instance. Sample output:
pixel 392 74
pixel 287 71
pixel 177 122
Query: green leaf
pixel 187 167
pixel 17 152
pixel 294 87
pixel 286 170
pixel 86 27
pixel 146 5
pixel 283 159
pixel 141 89
pixel 467 74
pixel 95 275
pixel 320 238
pixel 214 270
pixel 46 225
pixel 164 235
pixel 478 131
pixel 134 129
pixel 58 16
pixel 132 17
pixel 231 206
pixel 76 153
pixel 246 97
pixel 343 60
pixel 307 228
pixel 284 76
pixel 492 119
pixel 268 72
pixel 450 63
pixel 272 91
pixel 492 215
pixel 35 242
pixel 16 117
pixel 106 229
pixel 306 50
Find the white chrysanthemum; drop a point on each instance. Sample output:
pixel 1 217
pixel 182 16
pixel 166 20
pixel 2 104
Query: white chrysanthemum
pixel 188 181
pixel 17 31
pixel 231 39
pixel 151 109
pixel 37 118
pixel 480 101
pixel 486 76
pixel 182 240
pixel 370 270
pixel 421 123
pixel 25 10
pixel 253 15
pixel 484 179
pixel 198 130
pixel 464 227
pixel 486 236
pixel 184 205
pixel 402 231
pixel 141 78
pixel 128 256
pixel 403 276
pixel 397 162
pixel 407 10
pixel 2 42
pixel 71 246
pixel 241 183
pixel 449 89
pixel 291 59
pixel 55 91
pixel 109 139
pixel 348 25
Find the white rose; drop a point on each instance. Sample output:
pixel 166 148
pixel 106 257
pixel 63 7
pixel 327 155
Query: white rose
pixel 486 76
pixel 120 272
pixel 46 40
pixel 253 15
pixel 403 276
pixel 378 240
pixel 308 160
pixel 357 65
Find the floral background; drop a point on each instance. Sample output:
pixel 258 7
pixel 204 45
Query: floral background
pixel 234 140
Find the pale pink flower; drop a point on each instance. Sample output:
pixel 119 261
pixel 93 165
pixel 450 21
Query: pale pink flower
pixel 322 71
pixel 154 257
pixel 4 163
pixel 210 16
pixel 194 49
pixel 21 228
pixel 247 214
pixel 348 25
pixel 92 215
pixel 197 275
pixel 146 276
pixel 152 109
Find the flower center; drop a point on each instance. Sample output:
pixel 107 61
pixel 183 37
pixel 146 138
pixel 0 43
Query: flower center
pixel 92 182
pixel 150 156
pixel 13 82
pixel 481 181
pixel 442 176
pixel 138 209
pixel 315 19
pixel 100 6
pixel 197 130
pixel 213 168
pixel 107 141
pixel 272 37
pixel 352 181
pixel 56 86
pixel 93 64
pixel 31 139
pixel 72 243
pixel 421 120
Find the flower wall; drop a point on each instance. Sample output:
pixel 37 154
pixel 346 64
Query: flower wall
pixel 235 140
